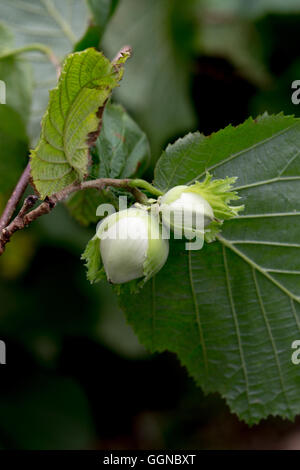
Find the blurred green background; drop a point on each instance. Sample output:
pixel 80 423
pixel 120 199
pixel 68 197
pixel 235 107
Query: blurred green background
pixel 76 376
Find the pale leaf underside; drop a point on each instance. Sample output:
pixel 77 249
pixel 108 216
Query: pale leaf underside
pixel 73 115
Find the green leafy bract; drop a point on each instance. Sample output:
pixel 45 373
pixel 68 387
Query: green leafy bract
pixel 218 193
pixel 93 262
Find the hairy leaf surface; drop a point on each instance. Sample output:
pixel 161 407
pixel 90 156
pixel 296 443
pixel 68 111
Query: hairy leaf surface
pixel 72 121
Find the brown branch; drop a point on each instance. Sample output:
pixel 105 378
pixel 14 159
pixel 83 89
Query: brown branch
pixel 15 198
pixel 24 218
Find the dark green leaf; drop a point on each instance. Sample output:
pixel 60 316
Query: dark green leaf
pixel 235 305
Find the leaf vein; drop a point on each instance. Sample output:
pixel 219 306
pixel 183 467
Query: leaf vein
pixel 249 261
pixel 268 326
pixel 236 323
pixel 197 313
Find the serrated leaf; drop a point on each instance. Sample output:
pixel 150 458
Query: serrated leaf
pixel 72 121
pixel 232 310
pixel 122 151
pixel 189 158
pixel 56 24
